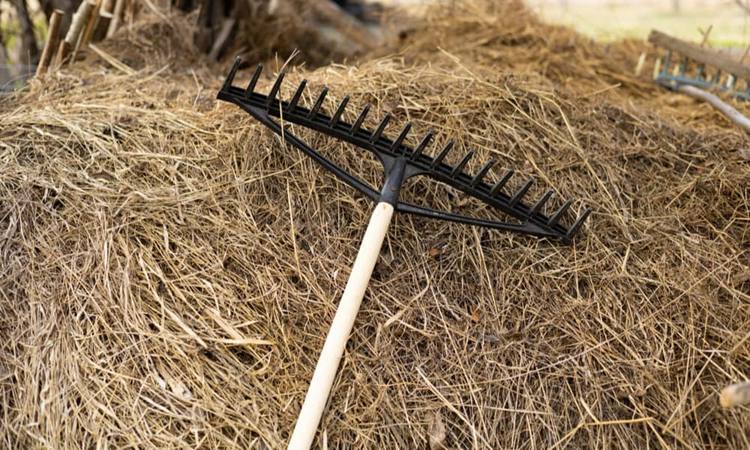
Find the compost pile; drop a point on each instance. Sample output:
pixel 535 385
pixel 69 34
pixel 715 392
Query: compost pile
pixel 169 267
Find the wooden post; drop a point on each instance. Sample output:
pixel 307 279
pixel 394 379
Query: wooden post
pixel 53 40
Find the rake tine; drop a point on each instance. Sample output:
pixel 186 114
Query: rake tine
pixel 581 219
pixel 482 172
pixel 684 65
pixel 232 73
pixel 501 182
pixel 297 95
pixel 521 192
pixel 422 145
pixel 541 202
pixel 701 71
pixel 253 81
pixel 404 159
pixel 717 77
pixel 559 213
pixel 339 111
pixel 360 119
pixel 401 137
pixel 275 89
pixel 460 166
pixel 318 103
pixel 383 123
pixel 442 155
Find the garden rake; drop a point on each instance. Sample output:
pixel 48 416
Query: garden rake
pixel 696 71
pixel 400 162
pixel 687 64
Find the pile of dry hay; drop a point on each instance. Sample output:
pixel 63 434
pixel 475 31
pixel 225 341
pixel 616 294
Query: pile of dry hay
pixel 169 269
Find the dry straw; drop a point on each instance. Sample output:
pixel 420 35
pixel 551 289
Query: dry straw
pixel 169 268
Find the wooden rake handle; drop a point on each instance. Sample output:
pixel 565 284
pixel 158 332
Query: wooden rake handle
pixel 338 335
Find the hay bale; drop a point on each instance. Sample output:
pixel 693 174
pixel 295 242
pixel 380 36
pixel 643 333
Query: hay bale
pixel 169 267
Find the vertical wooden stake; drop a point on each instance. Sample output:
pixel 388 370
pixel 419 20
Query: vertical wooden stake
pixel 53 40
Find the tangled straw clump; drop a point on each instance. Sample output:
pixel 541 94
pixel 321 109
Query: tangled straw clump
pixel 170 268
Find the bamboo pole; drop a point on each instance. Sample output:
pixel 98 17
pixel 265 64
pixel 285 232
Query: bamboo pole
pixel 53 40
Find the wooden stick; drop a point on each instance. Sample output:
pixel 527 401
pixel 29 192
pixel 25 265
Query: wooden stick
pixel 222 38
pixel 735 395
pixel 744 54
pixel 640 64
pixel 346 24
pixel 203 34
pixel 338 335
pixel 706 34
pixel 89 30
pixel 102 25
pixel 63 53
pixel 53 40
pixel 657 68
pixel 116 17
pixel 29 49
pixel 724 108
pixel 106 12
pixel 108 6
pixel 4 72
pixel 80 19
pixel 698 54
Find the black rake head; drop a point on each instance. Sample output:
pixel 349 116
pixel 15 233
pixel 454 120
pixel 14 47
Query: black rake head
pixel 400 161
